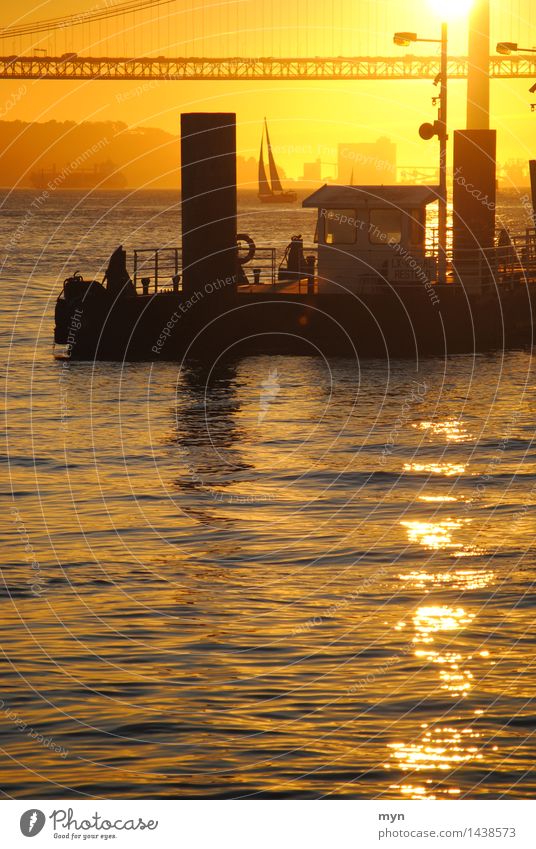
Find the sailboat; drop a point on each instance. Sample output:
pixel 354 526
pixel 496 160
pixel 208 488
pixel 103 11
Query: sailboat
pixel 273 193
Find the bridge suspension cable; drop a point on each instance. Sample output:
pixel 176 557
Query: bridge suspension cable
pixel 91 16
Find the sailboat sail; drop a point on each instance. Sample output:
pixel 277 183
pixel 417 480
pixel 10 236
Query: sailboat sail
pixel 273 193
pixel 264 186
pixel 274 176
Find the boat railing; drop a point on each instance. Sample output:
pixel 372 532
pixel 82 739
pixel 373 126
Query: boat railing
pixel 266 269
pixel 262 269
pixel 157 270
pixel 512 259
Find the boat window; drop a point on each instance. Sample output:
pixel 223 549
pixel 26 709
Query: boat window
pixel 417 226
pixel 340 226
pixel 385 226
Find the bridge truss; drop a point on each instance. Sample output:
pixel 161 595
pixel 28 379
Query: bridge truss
pixel 72 67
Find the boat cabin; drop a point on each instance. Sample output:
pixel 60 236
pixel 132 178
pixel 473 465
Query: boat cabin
pixel 372 235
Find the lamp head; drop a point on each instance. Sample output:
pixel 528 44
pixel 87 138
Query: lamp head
pixel 506 47
pixel 404 39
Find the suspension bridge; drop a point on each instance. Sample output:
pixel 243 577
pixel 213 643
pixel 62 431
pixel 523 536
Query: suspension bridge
pixel 358 68
pixel 244 40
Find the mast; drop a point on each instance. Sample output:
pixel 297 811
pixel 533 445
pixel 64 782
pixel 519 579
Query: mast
pixel 264 185
pixel 274 176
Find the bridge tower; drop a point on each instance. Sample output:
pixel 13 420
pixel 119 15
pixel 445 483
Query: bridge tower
pixel 478 67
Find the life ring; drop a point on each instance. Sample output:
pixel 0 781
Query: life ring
pixel 243 237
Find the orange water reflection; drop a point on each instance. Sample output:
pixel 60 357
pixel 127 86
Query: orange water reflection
pixel 457 579
pixel 438 747
pixel 453 430
pixel 439 498
pixel 446 469
pixel 432 535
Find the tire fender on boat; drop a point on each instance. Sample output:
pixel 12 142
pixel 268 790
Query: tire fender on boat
pixel 244 237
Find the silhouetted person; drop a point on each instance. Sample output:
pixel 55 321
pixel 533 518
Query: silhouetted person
pixel 117 278
pixel 296 263
pixel 505 250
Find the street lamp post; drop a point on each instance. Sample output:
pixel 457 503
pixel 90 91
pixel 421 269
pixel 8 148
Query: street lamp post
pixel 439 129
pixel 505 48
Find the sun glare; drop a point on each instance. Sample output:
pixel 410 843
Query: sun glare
pixel 447 11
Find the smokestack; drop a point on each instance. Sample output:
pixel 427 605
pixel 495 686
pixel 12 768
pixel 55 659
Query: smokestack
pixel 208 175
pixel 478 67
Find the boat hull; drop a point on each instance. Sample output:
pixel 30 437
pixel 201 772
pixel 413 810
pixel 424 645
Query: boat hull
pixel 393 323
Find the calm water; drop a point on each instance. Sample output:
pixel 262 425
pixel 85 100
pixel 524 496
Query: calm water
pixel 279 577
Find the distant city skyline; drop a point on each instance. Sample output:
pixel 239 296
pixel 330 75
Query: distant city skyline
pixel 301 113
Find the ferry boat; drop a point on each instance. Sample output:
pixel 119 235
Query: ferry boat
pixel 368 282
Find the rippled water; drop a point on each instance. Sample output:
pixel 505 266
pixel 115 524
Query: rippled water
pixel 278 577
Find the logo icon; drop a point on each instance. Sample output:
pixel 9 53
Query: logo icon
pixel 32 822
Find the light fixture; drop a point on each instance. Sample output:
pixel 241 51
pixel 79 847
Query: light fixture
pixel 506 47
pixel 404 39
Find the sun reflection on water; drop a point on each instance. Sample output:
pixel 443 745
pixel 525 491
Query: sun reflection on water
pixel 438 749
pixel 432 535
pixel 453 430
pixel 446 469
pixel 439 498
pixel 457 579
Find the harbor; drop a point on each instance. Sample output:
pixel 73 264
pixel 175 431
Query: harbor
pixel 378 280
pixel 269 423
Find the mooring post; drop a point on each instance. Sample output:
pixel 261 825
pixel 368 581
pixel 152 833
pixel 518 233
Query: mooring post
pixel 208 172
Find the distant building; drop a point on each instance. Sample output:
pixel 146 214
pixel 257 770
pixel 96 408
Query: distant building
pixel 367 163
pixel 312 172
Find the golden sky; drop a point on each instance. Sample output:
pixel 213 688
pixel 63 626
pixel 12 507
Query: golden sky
pixel 307 119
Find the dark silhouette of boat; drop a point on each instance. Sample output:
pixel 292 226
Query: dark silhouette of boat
pixel 103 175
pixel 369 287
pixel 274 193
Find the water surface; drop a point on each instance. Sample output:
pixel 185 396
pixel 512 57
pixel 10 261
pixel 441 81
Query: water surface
pixel 273 577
